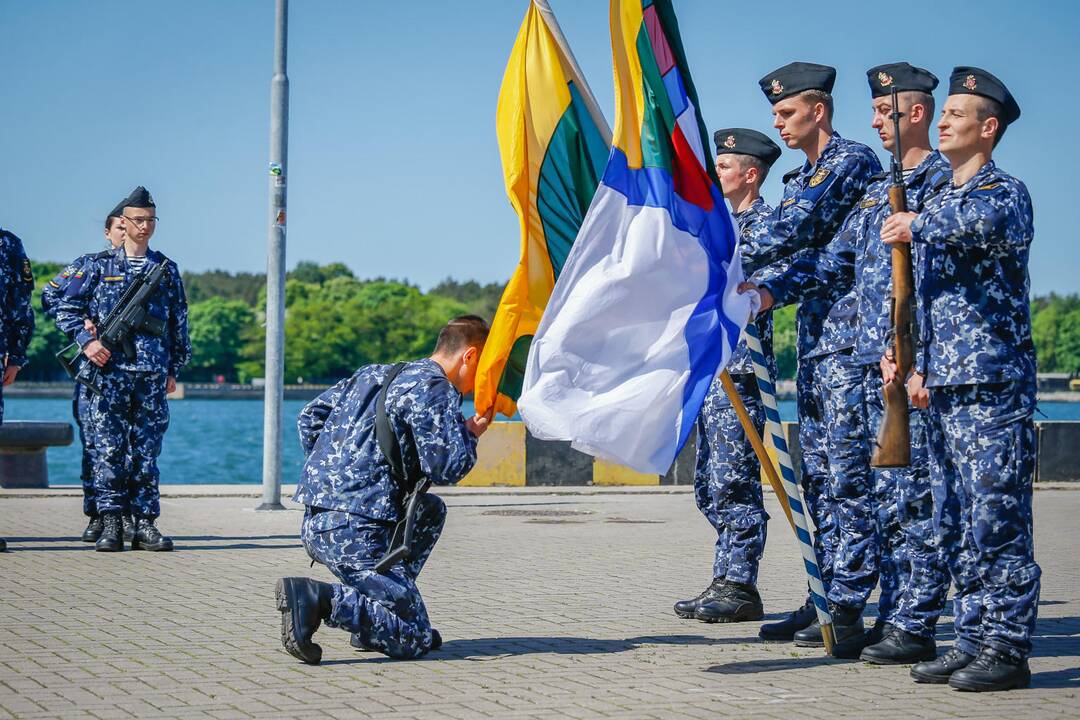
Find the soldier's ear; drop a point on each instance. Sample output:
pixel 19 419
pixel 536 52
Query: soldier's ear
pixel 990 127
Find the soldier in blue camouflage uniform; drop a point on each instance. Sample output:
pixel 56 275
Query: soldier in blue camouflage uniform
pixel 817 197
pixel 353 500
pixel 128 420
pixel 69 280
pixel 976 371
pixel 16 314
pixel 913 580
pixel 727 481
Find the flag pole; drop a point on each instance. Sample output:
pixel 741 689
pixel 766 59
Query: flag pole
pixel 786 486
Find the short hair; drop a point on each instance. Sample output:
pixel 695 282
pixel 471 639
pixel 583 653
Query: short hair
pixel 462 332
pixel 819 96
pixel 752 161
pixel 917 97
pixel 987 108
pixel 108 221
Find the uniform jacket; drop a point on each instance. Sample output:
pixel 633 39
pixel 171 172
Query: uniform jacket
pixel 345 469
pixel 753 227
pixel 973 243
pixel 104 278
pixel 16 313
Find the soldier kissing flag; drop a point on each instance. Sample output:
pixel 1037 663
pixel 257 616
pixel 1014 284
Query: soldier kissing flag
pixel 553 141
pixel 645 312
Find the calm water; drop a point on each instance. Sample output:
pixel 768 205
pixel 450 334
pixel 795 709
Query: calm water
pixel 220 441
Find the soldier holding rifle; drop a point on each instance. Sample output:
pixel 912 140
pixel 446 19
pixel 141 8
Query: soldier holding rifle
pixel 975 371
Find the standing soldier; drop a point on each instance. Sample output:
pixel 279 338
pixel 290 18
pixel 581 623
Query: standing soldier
pixel 70 279
pixel 727 481
pixel 16 314
pixel 128 420
pixel 913 579
pixel 817 198
pixel 355 494
pixel 977 361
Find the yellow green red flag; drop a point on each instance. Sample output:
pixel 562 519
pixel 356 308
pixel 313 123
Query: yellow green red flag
pixel 554 144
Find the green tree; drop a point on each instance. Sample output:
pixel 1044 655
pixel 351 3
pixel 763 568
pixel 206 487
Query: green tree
pixel 478 299
pixel 784 341
pixel 217 329
pixel 47 339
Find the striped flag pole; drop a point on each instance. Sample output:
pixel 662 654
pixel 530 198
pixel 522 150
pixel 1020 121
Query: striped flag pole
pixel 789 483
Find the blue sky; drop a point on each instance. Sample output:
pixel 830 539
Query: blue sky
pixel 393 163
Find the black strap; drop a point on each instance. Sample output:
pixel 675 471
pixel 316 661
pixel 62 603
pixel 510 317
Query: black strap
pixel 384 432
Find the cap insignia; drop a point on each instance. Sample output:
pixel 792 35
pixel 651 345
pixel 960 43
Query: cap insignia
pixel 729 142
pixel 777 87
pixel 884 79
pixel 969 82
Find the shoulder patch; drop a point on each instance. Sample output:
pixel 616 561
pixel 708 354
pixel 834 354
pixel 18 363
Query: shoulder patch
pixel 819 177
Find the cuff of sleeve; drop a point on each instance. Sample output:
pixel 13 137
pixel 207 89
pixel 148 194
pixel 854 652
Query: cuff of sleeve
pixel 916 229
pixel 777 289
pixel 83 337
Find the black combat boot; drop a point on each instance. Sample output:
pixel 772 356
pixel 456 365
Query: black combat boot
pixel 879 632
pixel 148 537
pixel 786 628
pixel 738 602
pixel 93 529
pixel 304 603
pixel 937 672
pixel 686 608
pixel 111 538
pixel 992 670
pixel 848 630
pixel 900 648
pixel 436 639
pixel 129 528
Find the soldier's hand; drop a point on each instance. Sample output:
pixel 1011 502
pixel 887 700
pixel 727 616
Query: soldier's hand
pixel 170 385
pixel 9 374
pixel 97 353
pixel 897 228
pixel 90 327
pixel 920 396
pixel 478 424
pixel 767 299
pixel 888 367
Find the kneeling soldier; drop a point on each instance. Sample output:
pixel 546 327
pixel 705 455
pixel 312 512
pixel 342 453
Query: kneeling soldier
pixel 727 481
pixel 354 499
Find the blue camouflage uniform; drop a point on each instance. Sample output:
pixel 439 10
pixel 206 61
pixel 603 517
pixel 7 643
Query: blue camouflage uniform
pixel 353 502
pixel 16 313
pixel 70 279
pixel 727 479
pixel 978 358
pixel 128 421
pixel 817 198
pixel 913 578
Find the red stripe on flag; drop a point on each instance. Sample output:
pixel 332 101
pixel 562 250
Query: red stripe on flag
pixel 692 183
pixel 665 60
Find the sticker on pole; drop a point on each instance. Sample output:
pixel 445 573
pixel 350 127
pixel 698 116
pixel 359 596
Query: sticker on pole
pixel 280 219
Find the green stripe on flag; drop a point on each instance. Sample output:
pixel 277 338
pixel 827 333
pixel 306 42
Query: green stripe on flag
pixel 659 120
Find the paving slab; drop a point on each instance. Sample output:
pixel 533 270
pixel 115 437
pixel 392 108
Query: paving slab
pixel 551 604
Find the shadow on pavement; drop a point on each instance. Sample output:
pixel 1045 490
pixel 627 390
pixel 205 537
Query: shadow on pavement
pixel 776 664
pixel 496 648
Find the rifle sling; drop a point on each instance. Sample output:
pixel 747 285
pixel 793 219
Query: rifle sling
pixel 384 432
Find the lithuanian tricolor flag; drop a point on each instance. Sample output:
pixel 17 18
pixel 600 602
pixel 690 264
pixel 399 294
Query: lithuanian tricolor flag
pixel 645 312
pixel 554 143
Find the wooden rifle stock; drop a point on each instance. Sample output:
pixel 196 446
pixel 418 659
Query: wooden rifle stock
pixel 893 445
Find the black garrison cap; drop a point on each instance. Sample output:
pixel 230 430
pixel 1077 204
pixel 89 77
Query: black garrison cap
pixel 976 81
pixel 743 141
pixel 902 76
pixel 139 198
pixel 796 77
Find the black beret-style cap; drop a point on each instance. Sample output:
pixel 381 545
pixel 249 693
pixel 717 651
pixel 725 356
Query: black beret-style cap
pixel 139 198
pixel 976 81
pixel 743 141
pixel 902 76
pixel 796 77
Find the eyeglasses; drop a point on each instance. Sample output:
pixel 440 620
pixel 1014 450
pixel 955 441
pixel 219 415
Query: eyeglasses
pixel 141 222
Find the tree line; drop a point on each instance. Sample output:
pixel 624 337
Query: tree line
pixel 336 322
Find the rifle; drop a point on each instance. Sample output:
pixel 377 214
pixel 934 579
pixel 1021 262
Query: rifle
pixel 401 541
pixel 116 332
pixel 892 448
